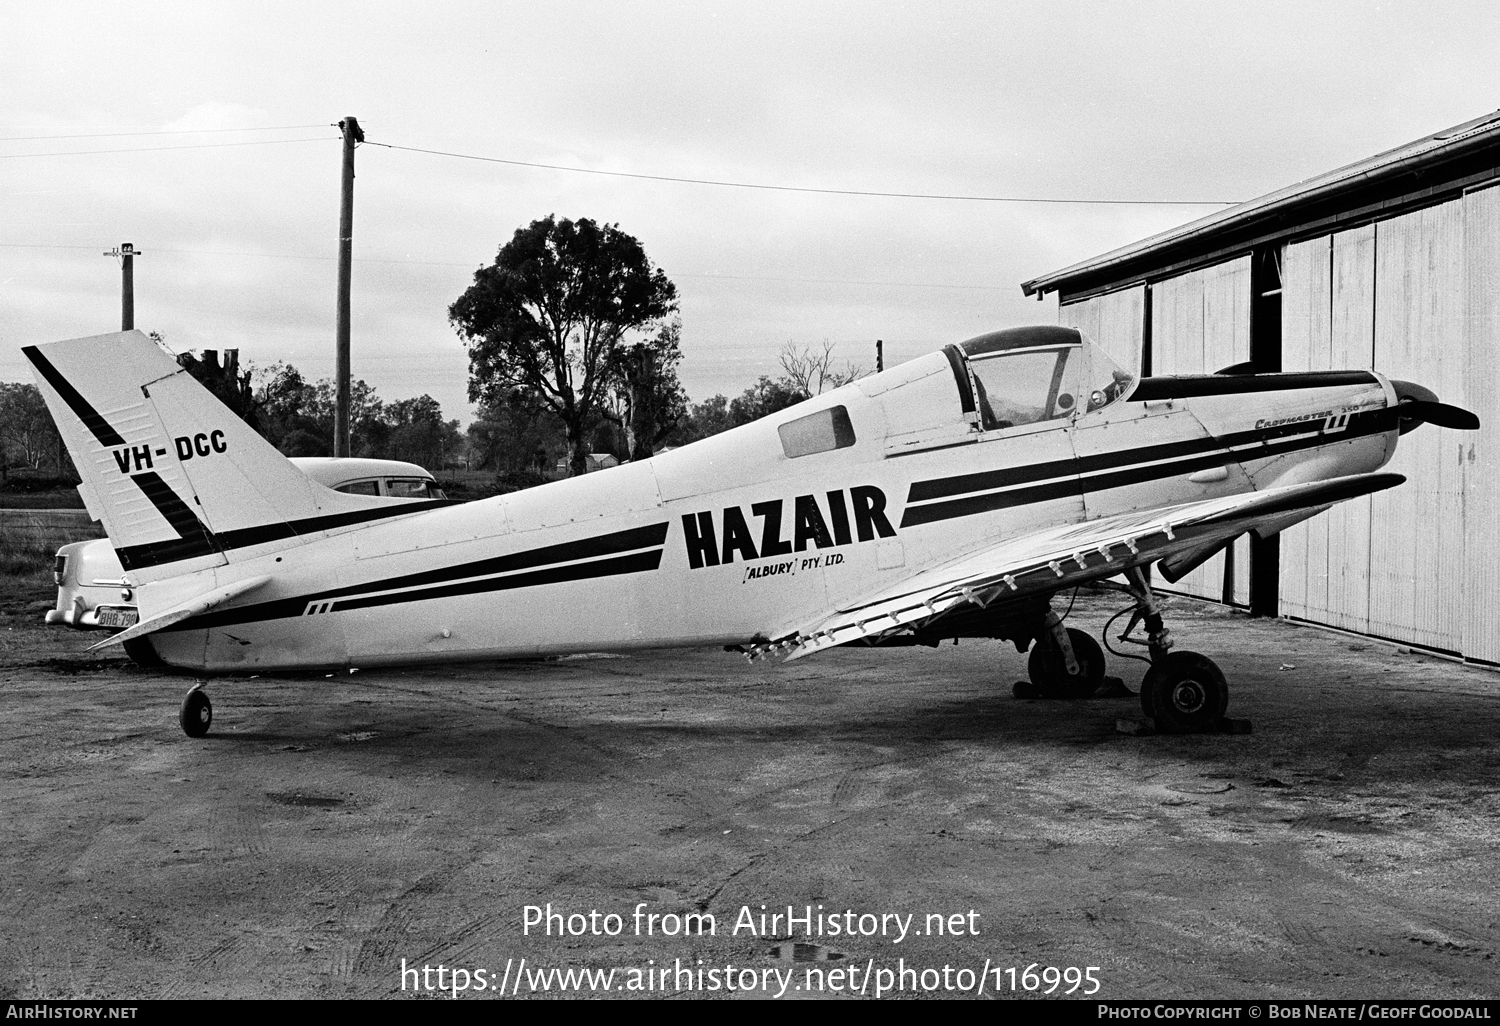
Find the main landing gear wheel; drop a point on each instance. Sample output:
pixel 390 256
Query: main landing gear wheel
pixel 1048 667
pixel 1185 693
pixel 1182 692
pixel 197 713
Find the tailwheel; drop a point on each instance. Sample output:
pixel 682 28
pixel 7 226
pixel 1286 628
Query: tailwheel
pixel 1185 693
pixel 197 712
pixel 1049 671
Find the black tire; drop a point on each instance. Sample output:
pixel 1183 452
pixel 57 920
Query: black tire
pixel 1025 689
pixel 1187 694
pixel 1049 671
pixel 1147 709
pixel 142 652
pixel 197 713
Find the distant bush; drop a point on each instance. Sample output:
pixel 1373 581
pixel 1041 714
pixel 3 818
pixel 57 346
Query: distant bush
pixel 467 486
pixel 31 481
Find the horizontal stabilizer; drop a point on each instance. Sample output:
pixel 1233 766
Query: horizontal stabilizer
pixel 192 607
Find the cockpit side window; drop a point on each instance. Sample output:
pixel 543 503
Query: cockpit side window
pixel 817 432
pixel 1024 387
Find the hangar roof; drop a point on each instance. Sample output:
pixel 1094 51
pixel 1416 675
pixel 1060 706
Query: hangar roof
pixel 1418 173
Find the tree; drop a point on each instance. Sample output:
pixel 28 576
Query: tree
pixel 764 397
pixel 296 415
pixel 549 316
pixel 28 437
pixel 226 381
pixel 709 417
pixel 286 401
pixel 416 432
pixel 650 397
pixel 517 437
pixel 812 372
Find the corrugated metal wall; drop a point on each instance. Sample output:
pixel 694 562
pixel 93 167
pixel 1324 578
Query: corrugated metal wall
pixel 1116 321
pixel 1200 322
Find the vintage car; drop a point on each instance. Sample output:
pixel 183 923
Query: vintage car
pixel 91 589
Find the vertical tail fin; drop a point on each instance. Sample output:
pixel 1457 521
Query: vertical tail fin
pixel 179 482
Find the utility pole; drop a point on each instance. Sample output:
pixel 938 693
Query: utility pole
pixel 353 134
pixel 126 254
pixel 879 355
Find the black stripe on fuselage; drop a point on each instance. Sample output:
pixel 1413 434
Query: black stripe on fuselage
pixel 963 484
pixel 1103 471
pixel 156 553
pixel 605 552
pixel 636 562
pixel 97 425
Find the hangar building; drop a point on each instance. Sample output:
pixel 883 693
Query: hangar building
pixel 1391 263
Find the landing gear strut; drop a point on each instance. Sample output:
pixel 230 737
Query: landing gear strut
pixel 1064 662
pixel 1183 692
pixel 197 712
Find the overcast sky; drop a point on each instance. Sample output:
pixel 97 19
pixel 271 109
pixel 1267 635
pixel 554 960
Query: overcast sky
pixel 1139 101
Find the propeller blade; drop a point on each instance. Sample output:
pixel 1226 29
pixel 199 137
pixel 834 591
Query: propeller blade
pixel 1236 369
pixel 1417 411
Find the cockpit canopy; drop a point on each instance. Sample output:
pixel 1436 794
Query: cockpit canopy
pixel 1040 373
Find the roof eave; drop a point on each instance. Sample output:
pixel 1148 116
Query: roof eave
pixel 1273 205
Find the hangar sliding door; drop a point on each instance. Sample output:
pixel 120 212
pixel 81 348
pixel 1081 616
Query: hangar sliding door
pixel 1306 345
pixel 1200 322
pixel 1328 322
pixel 1415 297
pixel 1417 530
pixel 1115 320
pixel 1481 456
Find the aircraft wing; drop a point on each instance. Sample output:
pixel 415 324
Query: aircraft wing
pixel 1182 536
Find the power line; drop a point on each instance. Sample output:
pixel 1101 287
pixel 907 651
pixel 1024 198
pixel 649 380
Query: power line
pixel 843 281
pixel 800 188
pixel 449 263
pixel 159 131
pixel 148 149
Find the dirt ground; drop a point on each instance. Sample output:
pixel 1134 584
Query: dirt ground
pixel 329 828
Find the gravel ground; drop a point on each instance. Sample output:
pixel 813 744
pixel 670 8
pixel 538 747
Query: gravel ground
pixel 331 827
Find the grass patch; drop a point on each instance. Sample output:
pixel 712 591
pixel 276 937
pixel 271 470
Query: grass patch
pixel 26 559
pixel 56 498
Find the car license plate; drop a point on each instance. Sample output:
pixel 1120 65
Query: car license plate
pixel 117 616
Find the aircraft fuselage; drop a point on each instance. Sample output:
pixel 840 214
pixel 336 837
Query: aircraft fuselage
pixel 742 536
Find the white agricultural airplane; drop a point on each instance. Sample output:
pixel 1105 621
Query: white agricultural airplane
pixel 952 496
